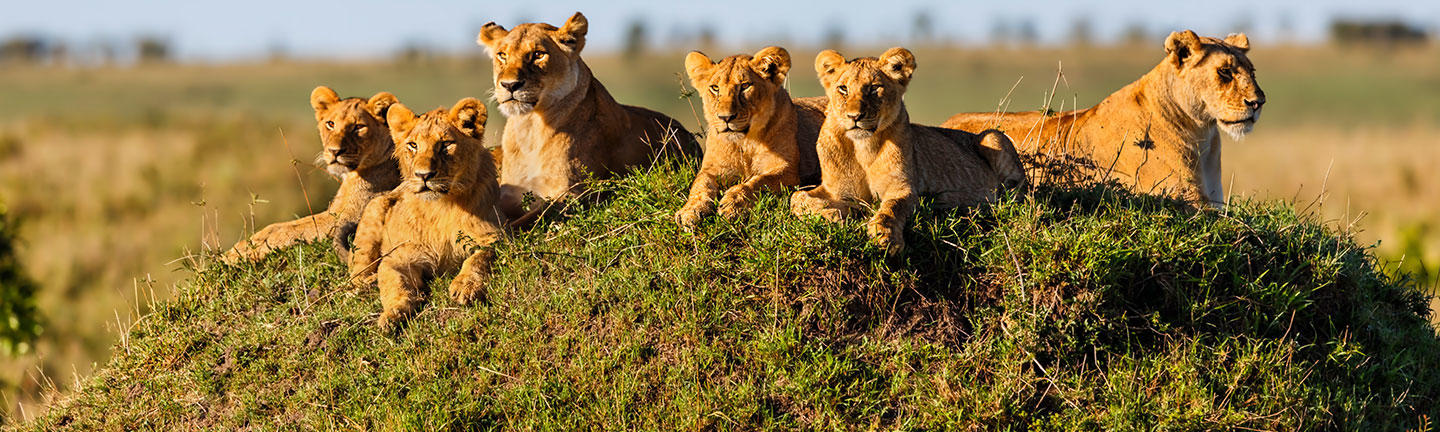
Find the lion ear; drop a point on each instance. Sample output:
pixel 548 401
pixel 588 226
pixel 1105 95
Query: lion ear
pixel 322 98
pixel 1239 41
pixel 400 119
pixel 1181 46
pixel 696 63
pixel 825 65
pixel 490 33
pixel 572 34
pixel 469 116
pixel 380 104
pixel 899 64
pixel 772 63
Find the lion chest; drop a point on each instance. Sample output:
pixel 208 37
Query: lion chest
pixel 536 160
pixel 425 231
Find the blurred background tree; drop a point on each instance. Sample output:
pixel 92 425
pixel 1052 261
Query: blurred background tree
pixel 19 321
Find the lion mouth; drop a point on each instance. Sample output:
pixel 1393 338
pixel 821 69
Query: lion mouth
pixel 730 129
pixel 1250 119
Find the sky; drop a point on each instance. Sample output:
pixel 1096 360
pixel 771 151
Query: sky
pixel 229 30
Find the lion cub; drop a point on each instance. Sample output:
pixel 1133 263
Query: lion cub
pixel 758 137
pixel 357 147
pixel 563 126
pixel 870 153
pixel 432 221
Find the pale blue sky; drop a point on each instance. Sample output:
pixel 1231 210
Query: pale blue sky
pixel 357 28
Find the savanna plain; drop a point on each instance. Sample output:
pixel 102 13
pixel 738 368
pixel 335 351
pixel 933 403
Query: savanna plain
pixel 121 176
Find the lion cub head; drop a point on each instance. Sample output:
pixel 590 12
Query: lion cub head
pixel 534 64
pixel 353 131
pixel 738 90
pixel 1217 74
pixel 441 152
pixel 865 93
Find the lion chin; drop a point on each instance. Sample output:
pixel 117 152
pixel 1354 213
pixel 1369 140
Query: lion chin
pixel 514 108
pixel 1238 131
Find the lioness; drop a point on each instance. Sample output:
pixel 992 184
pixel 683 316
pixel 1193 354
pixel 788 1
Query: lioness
pixel 563 127
pixel 870 153
pixel 357 149
pixel 1158 134
pixel 758 139
pixel 430 223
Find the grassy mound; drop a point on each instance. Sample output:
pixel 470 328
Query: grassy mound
pixel 1061 310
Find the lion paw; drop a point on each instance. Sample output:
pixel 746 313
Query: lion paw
pixel 890 239
pixel 467 288
pixel 735 202
pixel 391 320
pixel 688 217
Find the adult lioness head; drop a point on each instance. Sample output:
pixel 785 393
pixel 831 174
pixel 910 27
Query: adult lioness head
pixel 441 152
pixel 738 89
pixel 865 93
pixel 1217 74
pixel 535 63
pixel 352 130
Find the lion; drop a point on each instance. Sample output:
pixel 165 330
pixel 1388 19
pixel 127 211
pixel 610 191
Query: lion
pixel 562 126
pixel 442 211
pixel 1158 134
pixel 357 150
pixel 758 137
pixel 872 156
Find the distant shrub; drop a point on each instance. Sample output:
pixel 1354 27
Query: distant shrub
pixel 19 321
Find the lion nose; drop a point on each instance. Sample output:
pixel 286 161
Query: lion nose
pixel 1255 104
pixel 726 117
pixel 424 175
pixel 512 85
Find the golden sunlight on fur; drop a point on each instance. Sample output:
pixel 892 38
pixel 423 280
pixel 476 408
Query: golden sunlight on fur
pixel 871 155
pixel 757 137
pixel 357 150
pixel 442 215
pixel 562 126
pixel 1160 134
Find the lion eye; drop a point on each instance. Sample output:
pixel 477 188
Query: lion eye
pixel 413 147
pixel 842 90
pixel 330 125
pixel 1226 75
pixel 537 56
pixel 744 86
pixel 500 56
pixel 359 129
pixel 714 89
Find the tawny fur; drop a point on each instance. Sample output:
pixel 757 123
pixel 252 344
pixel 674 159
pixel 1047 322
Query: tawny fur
pixel 872 156
pixel 441 217
pixel 357 150
pixel 1160 134
pixel 563 127
pixel 757 137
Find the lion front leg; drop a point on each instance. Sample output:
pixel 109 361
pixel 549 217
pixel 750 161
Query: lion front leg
pixel 887 226
pixel 738 198
pixel 401 277
pixel 818 202
pixel 469 285
pixel 280 235
pixel 369 239
pixel 701 201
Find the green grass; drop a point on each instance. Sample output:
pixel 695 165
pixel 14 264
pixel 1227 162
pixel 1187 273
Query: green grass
pixel 1061 310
